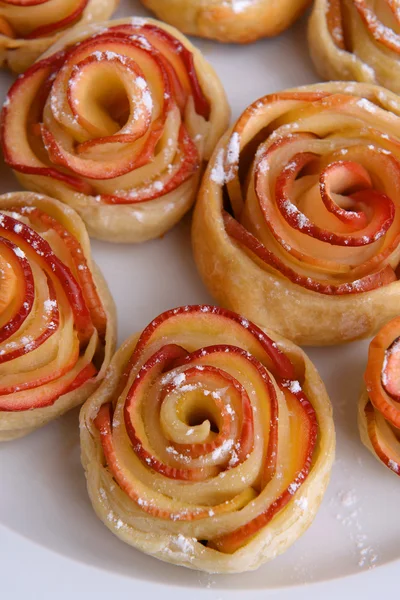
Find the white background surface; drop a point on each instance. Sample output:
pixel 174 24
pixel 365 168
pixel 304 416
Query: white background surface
pixel 52 545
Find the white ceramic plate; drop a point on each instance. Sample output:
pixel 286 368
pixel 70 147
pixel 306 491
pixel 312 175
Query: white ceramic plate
pixel 43 495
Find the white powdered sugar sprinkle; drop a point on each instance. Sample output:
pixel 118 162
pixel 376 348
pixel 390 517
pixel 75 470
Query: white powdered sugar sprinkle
pixel 394 466
pixel 225 165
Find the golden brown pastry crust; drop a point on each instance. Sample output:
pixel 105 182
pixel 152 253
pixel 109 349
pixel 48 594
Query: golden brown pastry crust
pixel 241 21
pixel 159 513
pixel 244 283
pixel 17 423
pixel 18 51
pixel 132 181
pixel 346 43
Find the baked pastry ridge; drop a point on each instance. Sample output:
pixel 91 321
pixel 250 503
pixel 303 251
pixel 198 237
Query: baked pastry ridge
pixel 241 21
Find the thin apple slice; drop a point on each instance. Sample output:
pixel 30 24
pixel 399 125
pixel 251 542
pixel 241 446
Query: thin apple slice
pixel 14 315
pixel 32 242
pixel 301 451
pixel 382 370
pixel 370 282
pixel 82 271
pixel 335 23
pixel 68 20
pixel 49 328
pixel 384 442
pixel 382 34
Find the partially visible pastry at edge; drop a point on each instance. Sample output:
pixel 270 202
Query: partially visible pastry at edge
pixel 357 40
pixel 29 27
pixel 57 318
pixel 240 21
pixel 210 442
pixel 379 407
pixel 297 223
pixel 116 120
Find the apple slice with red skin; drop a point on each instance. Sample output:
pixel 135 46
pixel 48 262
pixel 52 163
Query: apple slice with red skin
pixel 92 169
pixel 69 365
pixel 391 370
pixel 11 320
pixel 131 51
pixel 25 2
pixel 103 423
pixel 82 271
pixel 154 367
pixel 50 392
pixel 381 375
pixel 245 441
pixel 382 34
pixel 349 176
pixel 52 324
pixel 188 166
pixel 160 362
pixel 52 28
pixel 33 242
pixel 37 75
pixel 344 177
pixel 187 147
pixel 370 282
pixel 281 366
pixel 386 448
pixel 297 401
pixel 383 208
pixel 172 356
pixel 334 18
pixel 177 52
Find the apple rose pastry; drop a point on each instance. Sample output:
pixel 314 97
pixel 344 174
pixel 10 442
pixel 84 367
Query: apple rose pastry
pixel 29 27
pixel 297 225
pixel 116 120
pixel 379 407
pixel 209 443
pixel 57 322
pixel 357 39
pixel 240 21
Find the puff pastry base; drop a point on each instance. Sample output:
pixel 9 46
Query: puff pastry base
pixel 229 20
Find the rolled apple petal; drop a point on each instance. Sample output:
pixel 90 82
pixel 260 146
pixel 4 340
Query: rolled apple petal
pixel 299 206
pixel 229 21
pixel 57 321
pixel 379 406
pixel 357 40
pixel 29 27
pixel 210 443
pixel 116 121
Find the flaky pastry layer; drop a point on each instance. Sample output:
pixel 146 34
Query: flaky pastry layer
pixel 241 21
